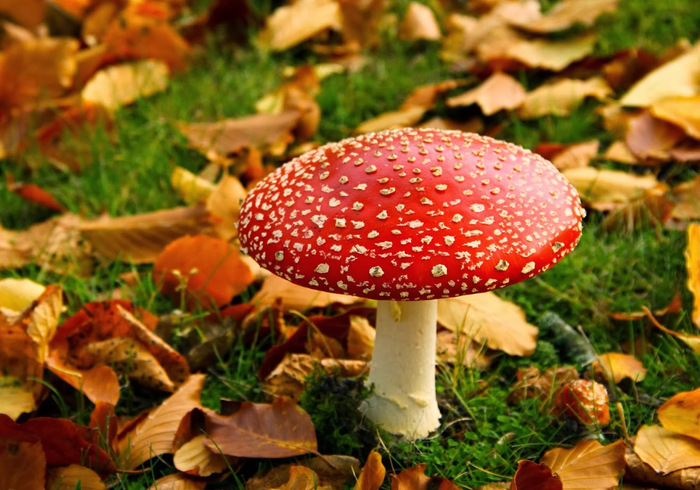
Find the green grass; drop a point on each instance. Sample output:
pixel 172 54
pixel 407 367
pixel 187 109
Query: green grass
pixel 609 271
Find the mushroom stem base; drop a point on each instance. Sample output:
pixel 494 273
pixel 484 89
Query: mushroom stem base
pixel 403 369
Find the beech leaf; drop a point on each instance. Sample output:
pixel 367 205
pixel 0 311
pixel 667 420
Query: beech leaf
pixel 562 97
pixel 681 413
pixel 588 465
pixel 259 430
pixel 533 476
pixel 195 458
pixel 120 85
pixel 372 474
pixel 666 451
pixel 552 55
pixel 681 111
pixel 616 366
pixel 73 476
pixel 498 92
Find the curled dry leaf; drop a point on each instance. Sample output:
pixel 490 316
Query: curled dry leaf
pixel 205 279
pixel 588 465
pixel 419 23
pixel 152 434
pixel 486 318
pixel 296 297
pixel 35 194
pixel 178 481
pixel 73 476
pixel 677 78
pixel 577 155
pixel 616 366
pixel 498 92
pixel 533 476
pixel 416 479
pixel 372 474
pixel 681 413
pixel 195 458
pixel 331 471
pixel 141 238
pixel 562 97
pixel 681 111
pixel 224 204
pixel 290 25
pixel 651 138
pixel 121 85
pixel 666 451
pixel 566 14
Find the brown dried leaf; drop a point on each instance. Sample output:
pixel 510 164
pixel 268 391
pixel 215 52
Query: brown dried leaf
pixel 224 203
pixel 576 155
pixel 42 319
pixel 331 471
pixel 687 198
pixel 360 338
pixel 141 238
pixel 22 461
pixel 228 136
pixel 419 23
pixel 195 458
pixel 649 137
pixel 637 470
pixel 681 111
pixel 666 451
pixel 606 190
pixel 588 465
pixel 459 350
pixel 416 479
pixel 73 476
pixel 259 430
pixel 533 384
pixel 681 413
pixel 562 97
pixel 16 395
pixel 302 478
pixel 28 14
pixel 393 119
pixel 22 373
pixel 677 78
pixel 372 474
pixel 292 24
pixel 119 85
pixel 487 318
pixel 152 435
pixel 178 481
pixel 618 151
pixel 498 92
pixel 616 366
pixel 533 476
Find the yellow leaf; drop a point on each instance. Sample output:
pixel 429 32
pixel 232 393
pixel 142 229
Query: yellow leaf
pixel 224 203
pixel 677 78
pixel 552 55
pixel 16 397
pixel 666 451
pixel 588 465
pixel 120 85
pixel 178 481
pixel 692 264
pixel 292 24
pixel 487 318
pixel 499 91
pixel 561 97
pixel 606 190
pixel 17 294
pixel 73 476
pixel 681 413
pixel 682 111
pixel 617 366
pixel 192 188
pixel 393 119
pixel 296 297
pixel 360 338
pixel 43 320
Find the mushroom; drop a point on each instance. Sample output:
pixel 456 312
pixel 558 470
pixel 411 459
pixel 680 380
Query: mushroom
pixel 405 217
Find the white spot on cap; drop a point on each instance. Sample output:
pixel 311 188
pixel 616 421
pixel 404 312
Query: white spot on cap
pixel 529 267
pixel 357 205
pixel 502 265
pixel 383 215
pixel 438 270
pixel 279 255
pixel 376 271
pixel 322 268
pixel 477 208
pixel 340 222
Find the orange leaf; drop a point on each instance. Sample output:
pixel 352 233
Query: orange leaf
pixel 178 481
pixel 681 413
pixel 372 474
pixel 692 263
pixel 34 193
pixel 666 451
pixel 153 435
pixel 73 476
pixel 98 384
pixel 617 366
pixel 296 297
pixel 119 85
pixel 682 111
pixel 22 459
pixel 195 458
pixel 257 430
pixel 416 479
pixel 419 23
pixel 211 278
pixel 28 13
pixel 588 465
pixel 533 476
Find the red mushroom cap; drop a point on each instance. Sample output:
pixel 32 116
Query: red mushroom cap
pixel 412 214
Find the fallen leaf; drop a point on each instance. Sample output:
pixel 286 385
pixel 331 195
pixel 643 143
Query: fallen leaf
pixel 178 481
pixel 22 459
pixel 16 396
pixel 552 55
pixel 302 478
pixel 666 451
pixel 73 476
pixel 426 96
pixel 195 458
pixel 17 294
pixel 297 297
pixel 649 137
pixel 120 85
pixel 28 14
pixel 360 338
pixel 457 349
pixel 616 366
pixel 638 471
pixel 141 238
pixel 34 193
pixel 201 280
pixel 257 430
pixel 290 25
pixel 566 14
pixel 531 383
pixel 680 413
pixel 192 188
pixel 687 200
pixel 677 78
pixel 533 476
pixel 618 151
pixel 330 471
pixel 681 111
pixel 22 372
pixel 362 23
pixel 228 136
pixel 562 97
pixel 419 23
pixel 692 265
pixel 605 190
pixel 487 318
pixel 392 119
pixel 42 319
pixel 152 434
pixel 224 203
pixel 576 155
pixel 498 92
pixel 588 465
pixel 372 474
pixel 416 479
pixel 693 341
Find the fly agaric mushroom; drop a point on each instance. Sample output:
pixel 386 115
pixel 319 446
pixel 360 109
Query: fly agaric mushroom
pixel 406 217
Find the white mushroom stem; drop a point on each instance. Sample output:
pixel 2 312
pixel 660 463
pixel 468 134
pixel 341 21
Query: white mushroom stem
pixel 403 369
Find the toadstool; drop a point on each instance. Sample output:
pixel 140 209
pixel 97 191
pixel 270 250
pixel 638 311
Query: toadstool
pixel 585 401
pixel 406 217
